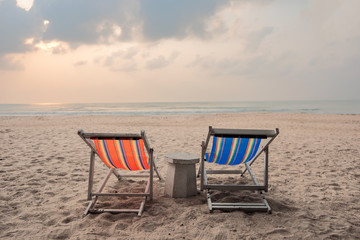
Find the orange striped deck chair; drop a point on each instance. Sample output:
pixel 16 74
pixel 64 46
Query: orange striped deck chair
pixel 120 152
pixel 232 147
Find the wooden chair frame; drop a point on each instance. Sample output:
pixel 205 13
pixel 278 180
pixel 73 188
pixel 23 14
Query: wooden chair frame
pixel 204 185
pixel 94 195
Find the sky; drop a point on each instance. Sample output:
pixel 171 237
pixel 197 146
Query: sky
pixel 92 51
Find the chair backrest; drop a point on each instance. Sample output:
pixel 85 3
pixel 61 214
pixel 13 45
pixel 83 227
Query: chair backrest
pixel 128 154
pixel 233 151
pixel 123 151
pixel 236 146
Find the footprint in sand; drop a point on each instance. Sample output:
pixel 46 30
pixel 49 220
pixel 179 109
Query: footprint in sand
pixel 62 233
pixel 61 174
pixel 122 226
pixel 279 233
pixel 68 220
pixel 149 226
pixel 51 194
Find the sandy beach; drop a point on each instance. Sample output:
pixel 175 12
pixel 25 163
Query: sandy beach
pixel 314 177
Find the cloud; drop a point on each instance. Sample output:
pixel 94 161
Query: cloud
pixel 124 67
pixel 177 19
pixel 80 63
pixel 17 25
pixel 84 22
pixel 121 60
pixel 89 22
pixel 10 63
pixel 255 38
pixel 92 22
pixel 158 62
pixel 129 59
pixel 161 61
pixel 130 53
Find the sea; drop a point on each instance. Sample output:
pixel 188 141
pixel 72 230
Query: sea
pixel 173 108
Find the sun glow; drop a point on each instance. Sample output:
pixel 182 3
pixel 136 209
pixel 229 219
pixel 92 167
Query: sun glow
pixel 52 46
pixel 47 46
pixel 45 25
pixel 29 41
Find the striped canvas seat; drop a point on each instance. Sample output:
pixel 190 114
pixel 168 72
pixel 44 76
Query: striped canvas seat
pixel 233 151
pixel 125 154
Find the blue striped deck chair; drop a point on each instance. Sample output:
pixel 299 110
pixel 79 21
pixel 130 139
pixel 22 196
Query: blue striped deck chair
pixel 233 147
pixel 120 152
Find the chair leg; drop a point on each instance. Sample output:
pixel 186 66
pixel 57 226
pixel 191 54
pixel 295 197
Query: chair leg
pixel 265 202
pixel 198 174
pixel 156 169
pixel 91 175
pixel 92 203
pixel 147 190
pixel 209 201
pixel 142 207
pixel 157 172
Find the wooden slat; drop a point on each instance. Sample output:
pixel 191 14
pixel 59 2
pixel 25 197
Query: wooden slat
pixel 223 171
pixel 239 204
pixel 233 187
pixel 111 135
pixel 114 210
pixel 134 176
pixel 248 208
pixel 121 194
pixel 249 133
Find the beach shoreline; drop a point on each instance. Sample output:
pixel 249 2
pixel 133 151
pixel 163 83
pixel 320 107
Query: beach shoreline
pixel 313 169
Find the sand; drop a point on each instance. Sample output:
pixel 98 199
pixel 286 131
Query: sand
pixel 314 177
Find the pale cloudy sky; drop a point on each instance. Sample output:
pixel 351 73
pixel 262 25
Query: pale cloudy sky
pixel 184 50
